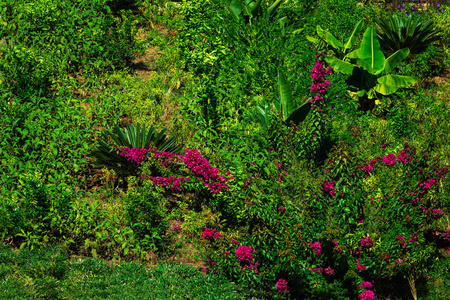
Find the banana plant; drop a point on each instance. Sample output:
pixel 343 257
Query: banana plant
pixel 326 38
pixel 370 74
pixel 284 105
pixel 247 9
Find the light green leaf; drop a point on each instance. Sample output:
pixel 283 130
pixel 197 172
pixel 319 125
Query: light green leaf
pixel 351 40
pixel 393 60
pixel 390 83
pixel 371 51
pixel 341 66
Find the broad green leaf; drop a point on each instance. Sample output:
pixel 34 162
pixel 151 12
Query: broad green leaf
pixel 263 115
pixel 394 59
pixel 341 66
pixel 312 39
pixel 371 51
pixel 354 54
pixel 236 8
pixel 351 40
pixel 332 41
pixel 253 6
pixel 299 115
pixel 285 92
pixel 271 10
pixel 390 83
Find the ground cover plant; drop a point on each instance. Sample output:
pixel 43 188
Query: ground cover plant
pixel 223 149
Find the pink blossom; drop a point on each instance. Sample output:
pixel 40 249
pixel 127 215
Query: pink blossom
pixel 244 253
pixel 367 242
pixel 315 246
pixel 282 286
pixel 390 160
pixel 365 285
pixel 367 295
pixel 329 271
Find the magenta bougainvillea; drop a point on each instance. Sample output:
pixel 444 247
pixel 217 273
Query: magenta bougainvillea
pixel 320 84
pixel 365 285
pixel 367 295
pixel 135 155
pixel 390 159
pixel 244 253
pixel 282 286
pixel 316 246
pixel 211 234
pixel 366 242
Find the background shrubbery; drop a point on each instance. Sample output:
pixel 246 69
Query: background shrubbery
pixel 352 201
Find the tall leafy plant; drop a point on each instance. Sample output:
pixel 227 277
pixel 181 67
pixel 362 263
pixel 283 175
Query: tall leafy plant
pixel 370 75
pixel 406 32
pixel 248 9
pixel 284 105
pixel 324 38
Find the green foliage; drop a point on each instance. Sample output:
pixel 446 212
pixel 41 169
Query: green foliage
pixel 47 273
pixel 412 32
pixel 133 136
pixel 365 77
pixel 145 209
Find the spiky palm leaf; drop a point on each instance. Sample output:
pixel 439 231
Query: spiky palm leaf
pixel 132 137
pixel 406 32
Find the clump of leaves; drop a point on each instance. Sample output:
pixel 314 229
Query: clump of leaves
pixel 108 150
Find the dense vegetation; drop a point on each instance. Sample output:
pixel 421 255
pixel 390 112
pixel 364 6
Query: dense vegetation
pixel 224 149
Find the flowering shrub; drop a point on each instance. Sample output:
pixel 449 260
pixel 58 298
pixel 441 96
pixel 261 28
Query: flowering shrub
pixel 244 253
pixel 366 242
pixel 367 295
pixel 282 286
pixel 390 160
pixel 319 85
pixel 135 155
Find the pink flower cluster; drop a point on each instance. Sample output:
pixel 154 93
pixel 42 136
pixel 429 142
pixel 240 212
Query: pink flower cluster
pixel 365 285
pixel 428 184
pixel 174 226
pixel 390 160
pixel 282 286
pixel 210 234
pixel 360 267
pixel 328 187
pixel 401 240
pixel 437 214
pixel 166 156
pixel 336 247
pixel 169 183
pixel 366 242
pixel 404 156
pixel 316 270
pixel 329 271
pixel 367 295
pixel 244 253
pixel 201 168
pixel 319 85
pixel 316 247
pixel 369 167
pixel 135 155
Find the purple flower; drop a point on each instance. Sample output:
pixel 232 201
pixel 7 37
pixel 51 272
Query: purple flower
pixel 244 253
pixel 367 242
pixel 282 286
pixel 328 187
pixel 390 160
pixel 365 285
pixel 367 295
pixel 428 184
pixel 401 240
pixel 135 155
pixel 208 233
pixel 315 246
pixel 437 213
pixel 329 271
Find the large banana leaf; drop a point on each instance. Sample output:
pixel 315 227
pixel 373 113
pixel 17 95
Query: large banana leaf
pixel 371 53
pixel 351 40
pixel 263 115
pixel 285 96
pixel 273 8
pixel 341 66
pixel 236 8
pixel 300 113
pixel 393 60
pixel 390 83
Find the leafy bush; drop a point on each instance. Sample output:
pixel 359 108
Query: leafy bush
pixel 411 32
